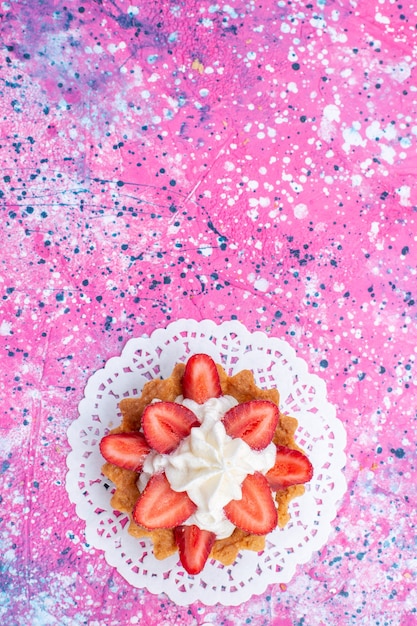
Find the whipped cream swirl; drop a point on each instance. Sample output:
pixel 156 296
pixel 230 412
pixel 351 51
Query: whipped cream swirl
pixel 209 465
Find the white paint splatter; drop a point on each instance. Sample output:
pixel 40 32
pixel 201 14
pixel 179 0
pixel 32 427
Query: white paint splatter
pixel 387 154
pixel 261 284
pixel 332 113
pixel 353 137
pixel 253 214
pixel 375 132
pixel 206 251
pixel 5 328
pixel 404 192
pixel 300 211
pixel 336 35
pixel 399 72
pixel 381 19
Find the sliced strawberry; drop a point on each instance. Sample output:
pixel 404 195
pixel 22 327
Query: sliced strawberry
pixel 292 467
pixel 201 379
pixel 255 512
pixel 165 424
pixel 159 506
pixel 194 546
pixel 254 422
pixel 126 450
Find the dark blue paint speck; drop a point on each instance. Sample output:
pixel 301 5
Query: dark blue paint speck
pixel 399 452
pixel 108 322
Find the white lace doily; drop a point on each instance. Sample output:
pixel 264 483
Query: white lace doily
pixel 320 434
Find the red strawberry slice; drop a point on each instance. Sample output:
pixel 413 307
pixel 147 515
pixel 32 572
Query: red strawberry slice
pixel 165 424
pixel 255 512
pixel 292 467
pixel 160 506
pixel 126 450
pixel 194 546
pixel 254 422
pixel 201 379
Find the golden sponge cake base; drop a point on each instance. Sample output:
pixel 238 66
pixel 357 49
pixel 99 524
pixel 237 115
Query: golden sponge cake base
pixel 242 387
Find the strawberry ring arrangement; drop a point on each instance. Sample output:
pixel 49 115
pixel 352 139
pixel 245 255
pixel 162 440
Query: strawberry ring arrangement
pixel 204 463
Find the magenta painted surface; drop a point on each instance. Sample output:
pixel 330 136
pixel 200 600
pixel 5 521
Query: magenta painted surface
pixel 254 160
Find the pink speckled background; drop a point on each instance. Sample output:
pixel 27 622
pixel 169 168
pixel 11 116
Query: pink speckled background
pixel 242 160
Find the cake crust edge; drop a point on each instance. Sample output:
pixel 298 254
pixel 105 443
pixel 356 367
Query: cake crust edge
pixel 243 388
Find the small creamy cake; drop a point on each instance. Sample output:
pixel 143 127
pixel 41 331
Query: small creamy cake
pixel 204 463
